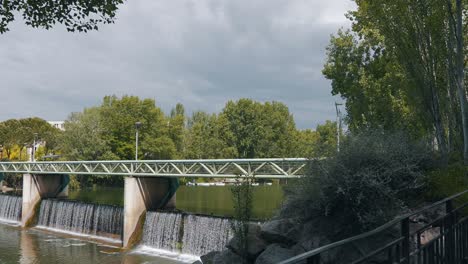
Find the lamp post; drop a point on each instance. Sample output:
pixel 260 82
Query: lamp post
pixel 137 127
pixel 33 151
pixel 338 126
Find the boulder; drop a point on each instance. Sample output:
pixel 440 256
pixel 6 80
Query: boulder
pixel 208 258
pixel 227 257
pixel 255 244
pixel 274 254
pixel 285 231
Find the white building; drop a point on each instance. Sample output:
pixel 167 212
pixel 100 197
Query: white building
pixel 57 124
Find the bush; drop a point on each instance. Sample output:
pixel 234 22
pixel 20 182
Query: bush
pixel 445 182
pixel 371 180
pixel 242 197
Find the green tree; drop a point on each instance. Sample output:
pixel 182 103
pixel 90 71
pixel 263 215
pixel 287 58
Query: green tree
pixel 204 140
pixel 21 133
pixel 176 128
pixel 74 15
pixel 257 130
pixel 405 56
pixel 82 139
pixel 372 82
pixel 118 117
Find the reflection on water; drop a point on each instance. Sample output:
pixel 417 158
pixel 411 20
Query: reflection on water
pixel 32 246
pixel 208 200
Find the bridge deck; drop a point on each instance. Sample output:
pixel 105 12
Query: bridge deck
pixel 215 168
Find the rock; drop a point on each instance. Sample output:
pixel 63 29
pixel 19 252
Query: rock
pixel 274 254
pixel 197 262
pixel 283 231
pixel 208 258
pixel 227 257
pixel 255 244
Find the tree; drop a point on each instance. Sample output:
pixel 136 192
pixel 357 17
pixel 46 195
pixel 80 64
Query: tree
pixel 20 133
pixel 456 64
pixel 257 130
pixel 82 139
pixel 406 56
pixel 9 132
pixel 204 138
pixel 118 117
pixel 74 15
pixel 373 84
pixel 176 127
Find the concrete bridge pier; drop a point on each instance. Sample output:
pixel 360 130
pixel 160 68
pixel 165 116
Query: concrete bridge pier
pixel 37 187
pixel 140 195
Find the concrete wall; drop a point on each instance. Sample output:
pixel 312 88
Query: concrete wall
pixel 141 194
pixel 36 187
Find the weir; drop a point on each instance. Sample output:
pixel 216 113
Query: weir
pixel 149 185
pixel 37 187
pixel 82 218
pixel 10 208
pixel 186 234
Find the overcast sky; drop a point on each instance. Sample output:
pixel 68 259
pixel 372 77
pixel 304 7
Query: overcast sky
pixel 200 53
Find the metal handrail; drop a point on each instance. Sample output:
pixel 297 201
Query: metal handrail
pixel 375 231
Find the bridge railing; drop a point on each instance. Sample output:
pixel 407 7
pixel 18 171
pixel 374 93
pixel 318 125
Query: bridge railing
pixel 448 244
pixel 211 168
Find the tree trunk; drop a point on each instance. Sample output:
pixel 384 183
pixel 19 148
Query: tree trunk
pixel 460 75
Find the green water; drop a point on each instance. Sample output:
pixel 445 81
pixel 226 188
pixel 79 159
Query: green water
pixel 207 200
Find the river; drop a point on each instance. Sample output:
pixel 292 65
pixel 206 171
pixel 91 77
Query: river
pixel 206 200
pixel 35 245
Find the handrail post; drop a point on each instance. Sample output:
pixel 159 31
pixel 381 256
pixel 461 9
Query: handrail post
pixel 448 230
pixel 405 247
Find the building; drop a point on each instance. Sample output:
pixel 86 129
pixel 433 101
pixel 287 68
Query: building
pixel 57 124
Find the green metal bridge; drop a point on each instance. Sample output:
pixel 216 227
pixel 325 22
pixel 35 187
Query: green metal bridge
pixel 211 168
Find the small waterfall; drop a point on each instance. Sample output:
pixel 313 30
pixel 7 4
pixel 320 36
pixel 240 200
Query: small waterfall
pixel 84 218
pixel 204 234
pixel 187 234
pixel 162 230
pixel 10 207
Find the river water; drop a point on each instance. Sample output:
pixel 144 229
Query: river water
pixel 38 245
pixel 206 200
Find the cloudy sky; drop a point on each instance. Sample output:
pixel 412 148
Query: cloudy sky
pixel 200 53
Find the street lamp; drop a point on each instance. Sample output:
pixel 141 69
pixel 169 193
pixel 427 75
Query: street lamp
pixel 137 127
pixel 338 125
pixel 33 151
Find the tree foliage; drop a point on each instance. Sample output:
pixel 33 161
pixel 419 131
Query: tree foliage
pixel 17 134
pixel 76 15
pixel 396 69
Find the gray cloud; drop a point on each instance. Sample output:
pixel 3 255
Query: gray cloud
pixel 197 52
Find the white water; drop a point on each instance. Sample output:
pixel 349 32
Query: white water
pixel 181 234
pixel 82 218
pixel 10 208
pixel 162 230
pixel 203 234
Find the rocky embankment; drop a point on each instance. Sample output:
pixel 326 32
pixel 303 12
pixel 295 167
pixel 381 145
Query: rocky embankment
pixel 281 239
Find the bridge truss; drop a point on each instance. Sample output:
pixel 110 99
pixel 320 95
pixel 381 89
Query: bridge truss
pixel 215 168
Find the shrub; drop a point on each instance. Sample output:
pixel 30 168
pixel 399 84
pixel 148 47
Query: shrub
pixel 444 182
pixel 242 196
pixel 367 183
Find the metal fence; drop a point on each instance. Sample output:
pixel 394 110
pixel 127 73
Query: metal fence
pixel 449 244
